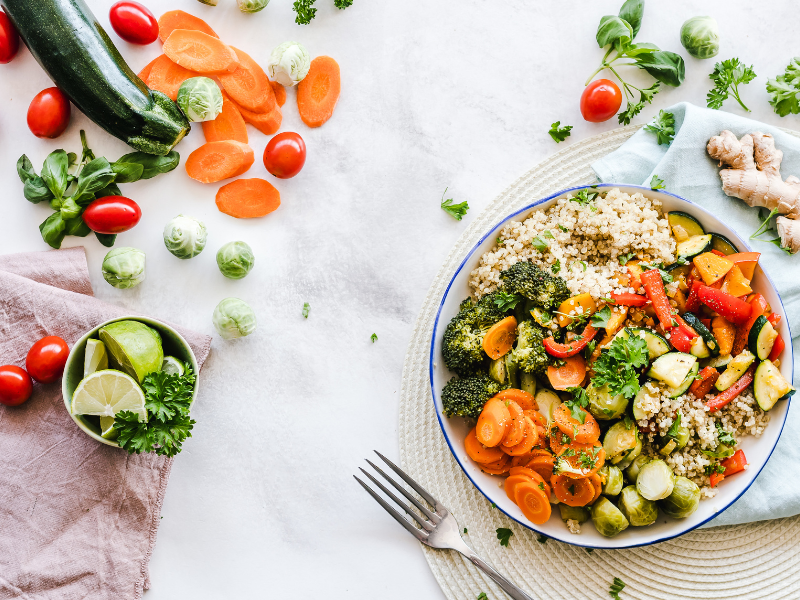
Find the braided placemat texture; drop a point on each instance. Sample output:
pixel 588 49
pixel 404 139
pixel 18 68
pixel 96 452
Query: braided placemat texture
pixel 756 560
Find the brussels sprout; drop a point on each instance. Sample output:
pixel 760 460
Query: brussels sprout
pixel 252 6
pixel 655 480
pixel 607 518
pixel 632 471
pixel 498 371
pixel 208 2
pixel 624 460
pixel 289 63
pixel 233 318
pixel 603 405
pixel 185 237
pixel 200 99
pixel 637 509
pixel 576 513
pixel 621 437
pixel 548 401
pixel 124 267
pixel 684 499
pixel 613 477
pixel 235 260
pixel 700 37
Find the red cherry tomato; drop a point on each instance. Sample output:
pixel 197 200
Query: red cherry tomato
pixel 285 155
pixel 112 214
pixel 46 359
pixel 134 23
pixel 48 114
pixel 15 385
pixel 600 100
pixel 9 39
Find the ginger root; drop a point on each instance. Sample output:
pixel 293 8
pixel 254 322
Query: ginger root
pixel 753 175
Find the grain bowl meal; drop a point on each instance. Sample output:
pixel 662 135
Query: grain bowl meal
pixel 611 356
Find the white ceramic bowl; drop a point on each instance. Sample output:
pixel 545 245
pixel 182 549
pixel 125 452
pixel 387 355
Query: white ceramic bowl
pixel 757 450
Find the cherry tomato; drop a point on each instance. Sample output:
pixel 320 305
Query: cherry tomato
pixel 9 39
pixel 48 114
pixel 46 359
pixel 112 214
pixel 600 100
pixel 15 385
pixel 134 23
pixel 285 155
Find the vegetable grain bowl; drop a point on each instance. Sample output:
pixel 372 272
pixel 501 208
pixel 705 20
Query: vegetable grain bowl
pixel 130 382
pixel 611 367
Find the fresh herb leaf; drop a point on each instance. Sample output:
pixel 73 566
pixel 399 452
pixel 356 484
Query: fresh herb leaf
pixel 585 461
pixel 558 133
pixel 499 241
pixel 663 126
pixel 556 266
pixel 548 234
pixel 304 11
pixel 127 172
pixel 342 4
pixel 616 367
pixel 483 596
pixel 35 190
pixel 505 301
pixel 542 539
pixel 151 164
pixel 714 468
pixel 539 243
pixel 52 230
pixel 504 534
pixel 457 211
pixel 631 12
pixel 107 239
pixel 784 90
pixel 626 258
pixel 465 531
pixel 590 349
pixel 766 224
pixel 656 183
pixel 725 437
pixel 672 432
pixel 727 76
pixel 25 169
pixel 306 309
pixel 579 402
pixel 374 337
pixel 562 228
pixel 601 317
pixel 616 587
pixel 54 172
pixel 584 197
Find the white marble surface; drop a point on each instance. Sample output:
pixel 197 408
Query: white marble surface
pixel 456 93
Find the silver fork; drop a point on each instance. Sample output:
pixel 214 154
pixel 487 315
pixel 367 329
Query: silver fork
pixel 439 528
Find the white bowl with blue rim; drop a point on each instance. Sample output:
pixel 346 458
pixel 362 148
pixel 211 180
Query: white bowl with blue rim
pixel 757 450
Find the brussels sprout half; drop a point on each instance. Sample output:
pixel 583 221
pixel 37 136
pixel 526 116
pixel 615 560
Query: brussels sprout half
pixel 607 518
pixel 684 499
pixel 621 437
pixel 233 318
pixel 289 63
pixel 603 405
pixel 613 478
pixel 576 513
pixel 655 480
pixel 252 6
pixel 637 509
pixel 632 471
pixel 200 99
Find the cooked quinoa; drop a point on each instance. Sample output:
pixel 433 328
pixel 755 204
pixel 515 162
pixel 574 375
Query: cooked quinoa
pixel 585 242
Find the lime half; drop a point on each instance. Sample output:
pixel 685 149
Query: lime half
pixel 133 347
pixel 172 366
pixel 95 358
pixel 107 428
pixel 105 393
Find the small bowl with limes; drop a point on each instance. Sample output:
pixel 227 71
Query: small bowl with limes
pixel 107 366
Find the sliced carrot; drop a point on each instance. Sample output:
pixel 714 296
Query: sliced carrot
pixel 216 161
pixel 526 445
pixel 166 77
pixel 480 453
pixel 498 341
pixel 511 482
pixel 249 85
pixel 570 374
pixel 145 72
pixel 536 477
pixel 572 492
pixel 583 459
pixel 532 502
pixel 229 124
pixel 525 400
pixel 248 198
pixel 177 19
pixel 200 52
pixel 597 484
pixel 493 422
pixel 318 93
pixel 280 92
pixel 559 440
pixel 522 460
pixel 499 468
pixel 587 432
pixel 266 122
pixel 536 417
pixel 516 432
pixel 543 465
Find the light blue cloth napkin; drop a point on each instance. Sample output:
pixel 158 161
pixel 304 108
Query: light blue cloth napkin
pixel 688 171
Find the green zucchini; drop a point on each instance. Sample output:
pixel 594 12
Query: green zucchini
pixel 679 270
pixel 679 390
pixel 686 221
pixel 710 341
pixel 672 368
pixel 497 370
pixel 693 246
pixel 721 243
pixel 735 370
pixel 66 39
pixel 761 338
pixel 719 362
pixel 699 348
pixel 769 385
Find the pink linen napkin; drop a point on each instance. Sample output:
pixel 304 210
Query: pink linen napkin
pixel 78 519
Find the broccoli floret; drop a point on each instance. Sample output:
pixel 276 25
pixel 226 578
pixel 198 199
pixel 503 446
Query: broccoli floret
pixel 462 343
pixel 530 355
pixel 538 286
pixel 466 396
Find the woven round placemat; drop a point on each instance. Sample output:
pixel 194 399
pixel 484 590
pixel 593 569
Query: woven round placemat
pixel 756 560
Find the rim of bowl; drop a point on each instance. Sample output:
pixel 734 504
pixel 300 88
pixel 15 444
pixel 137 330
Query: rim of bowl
pixel 470 254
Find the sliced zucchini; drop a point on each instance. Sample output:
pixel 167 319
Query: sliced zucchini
pixel 527 382
pixel 710 341
pixel 497 370
pixel 638 412
pixel 674 392
pixel 699 348
pixel 672 368
pixel 679 270
pixel 669 447
pixel 769 385
pixel 719 362
pixel 694 246
pixel 656 345
pixel 722 244
pixel 548 402
pixel 762 338
pixel 735 370
pixel 686 221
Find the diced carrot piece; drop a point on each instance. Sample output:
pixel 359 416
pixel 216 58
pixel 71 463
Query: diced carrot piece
pixel 200 52
pixel 587 432
pixel 177 19
pixel 229 124
pixel 532 502
pixel 145 72
pixel 167 77
pixel 249 85
pixel 712 268
pixel 248 198
pixel 318 92
pixel 216 161
pixel 280 92
pixel 267 123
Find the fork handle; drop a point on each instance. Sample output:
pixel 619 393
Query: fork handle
pixel 509 588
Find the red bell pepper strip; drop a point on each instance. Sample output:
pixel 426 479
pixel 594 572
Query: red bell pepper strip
pixel 728 395
pixel 732 465
pixel 679 339
pixel 685 327
pixel 718 253
pixel 654 286
pixel 701 387
pixel 734 310
pixel 716 478
pixel 572 348
pixel 693 301
pixel 628 299
pixel 777 348
pixel 759 306
pixel 774 319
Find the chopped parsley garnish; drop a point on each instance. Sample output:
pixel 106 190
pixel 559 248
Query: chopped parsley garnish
pixel 542 539
pixel 305 11
pixel 579 401
pixel 505 301
pixel 562 228
pixel 715 468
pixel 616 588
pixel 585 461
pixel 663 126
pixel 548 234
pixel 727 76
pixel 725 437
pixel 556 266
pixel 601 317
pixel 499 241
pixel 541 485
pixel 585 198
pixel 590 348
pixel 457 211
pixel 665 277
pixel 558 133
pixel 465 530
pixel 504 534
pixel 672 432
pixel 342 4
pixel 306 308
pixel 483 596
pixel 616 367
pixel 374 337
pixel 565 439
pixel 656 183
pixel 626 258
pixel 568 452
pixel 539 244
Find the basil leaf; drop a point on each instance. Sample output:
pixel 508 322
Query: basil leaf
pixel 632 12
pixel 107 239
pixel 25 169
pixel 52 230
pixel 667 67
pixel 152 165
pixel 93 178
pixel 127 172
pixel 54 172
pixel 70 209
pixel 110 190
pixel 635 50
pixel 36 190
pixel 613 30
pixel 77 227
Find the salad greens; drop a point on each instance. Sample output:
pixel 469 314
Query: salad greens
pixel 727 76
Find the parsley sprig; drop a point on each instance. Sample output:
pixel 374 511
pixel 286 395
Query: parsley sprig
pixel 616 367
pixel 457 211
pixel 784 90
pixel 578 404
pixel 663 125
pixel 304 11
pixel 585 198
pixel 727 76
pixel 504 534
pixel 558 133
pixel 505 301
pixel 616 587
pixel 656 183
pixel 725 437
pixel 673 430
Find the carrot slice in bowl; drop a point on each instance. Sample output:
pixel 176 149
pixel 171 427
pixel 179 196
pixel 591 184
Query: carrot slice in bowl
pixel 248 198
pixel 501 467
pixel 511 483
pixel 572 492
pixel 200 52
pixel 229 124
pixel 587 432
pixel 178 19
pixel 532 502
pixel 570 374
pixel 318 92
pixel 516 432
pixel 527 444
pixel 578 461
pixel 480 453
pixel 521 397
pixel 493 422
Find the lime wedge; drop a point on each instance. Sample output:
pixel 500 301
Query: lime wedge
pixel 107 428
pixel 95 358
pixel 172 366
pixel 105 393
pixel 133 347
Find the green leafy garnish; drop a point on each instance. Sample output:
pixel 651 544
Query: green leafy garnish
pixel 725 437
pixel 656 183
pixel 499 241
pixel 727 76
pixel 584 197
pixel 342 4
pixel 672 432
pixel 556 266
pixel 465 530
pixel 714 468
pixel 558 133
pixel 457 211
pixel 539 243
pixel 548 234
pixel 374 337
pixel 504 534
pixel 505 301
pixel 784 90
pixel 601 317
pixel 483 596
pixel 616 367
pixel 616 588
pixel 663 126
pixel 305 11
pixel 562 228
pixel 306 309
pixel 579 401
pixel 542 539
pixel 626 258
